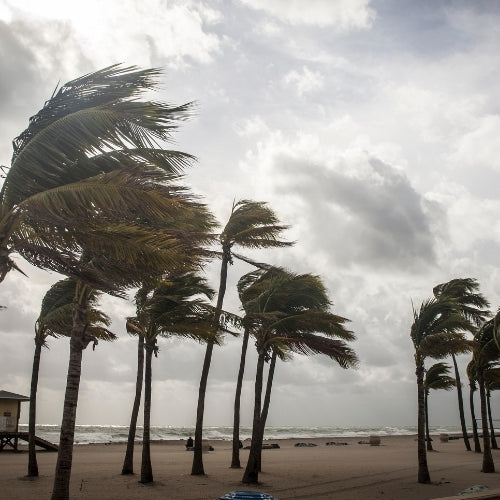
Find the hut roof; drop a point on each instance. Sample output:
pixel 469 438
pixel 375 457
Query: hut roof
pixel 13 395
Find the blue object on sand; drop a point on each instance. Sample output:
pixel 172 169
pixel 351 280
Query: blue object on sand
pixel 247 495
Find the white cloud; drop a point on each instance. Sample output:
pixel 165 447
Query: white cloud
pixel 136 32
pixel 341 14
pixel 305 81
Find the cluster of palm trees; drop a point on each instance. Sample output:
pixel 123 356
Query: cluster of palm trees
pixel 93 194
pixel 456 320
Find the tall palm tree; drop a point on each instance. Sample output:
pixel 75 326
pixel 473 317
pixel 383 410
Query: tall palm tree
pixel 436 377
pixel 474 307
pixel 471 374
pixel 485 350
pixel 251 224
pixel 288 313
pixel 55 321
pixel 492 383
pixel 177 306
pixel 90 195
pixel 437 331
pixel 128 461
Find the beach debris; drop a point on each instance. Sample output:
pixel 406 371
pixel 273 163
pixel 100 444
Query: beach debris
pixel 362 442
pixel 270 446
pixel 247 495
pixel 474 489
pixel 335 443
pixel 299 445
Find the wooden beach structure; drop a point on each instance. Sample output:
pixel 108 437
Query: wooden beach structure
pixel 10 412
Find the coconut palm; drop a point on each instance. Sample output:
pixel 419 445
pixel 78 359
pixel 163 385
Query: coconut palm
pixel 485 351
pixel 474 307
pixel 492 383
pixel 437 331
pixel 436 377
pixel 89 194
pixel 176 306
pixel 471 374
pixel 251 224
pixel 55 321
pixel 288 313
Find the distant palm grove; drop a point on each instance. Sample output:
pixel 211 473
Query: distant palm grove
pixel 93 194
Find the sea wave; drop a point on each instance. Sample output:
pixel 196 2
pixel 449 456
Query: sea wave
pixel 87 434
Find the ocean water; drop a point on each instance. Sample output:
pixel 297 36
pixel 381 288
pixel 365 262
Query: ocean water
pixel 86 434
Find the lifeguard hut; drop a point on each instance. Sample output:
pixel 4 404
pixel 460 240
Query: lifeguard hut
pixel 10 411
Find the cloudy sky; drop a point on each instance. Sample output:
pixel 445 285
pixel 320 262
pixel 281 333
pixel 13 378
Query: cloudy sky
pixel 371 128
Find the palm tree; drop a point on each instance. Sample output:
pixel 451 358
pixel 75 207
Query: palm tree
pixel 474 307
pixel 93 129
pixel 128 461
pixel 55 321
pixel 492 383
pixel 436 377
pixel 485 351
pixel 174 306
pixel 288 313
pixel 251 225
pixel 436 332
pixel 90 195
pixel 471 374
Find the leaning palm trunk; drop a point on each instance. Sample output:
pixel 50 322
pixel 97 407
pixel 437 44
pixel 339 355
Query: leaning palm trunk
pixel 78 343
pixel 146 468
pixel 494 445
pixel 128 462
pixel 427 433
pixel 235 460
pixel 265 406
pixel 423 469
pixel 32 462
pixel 197 468
pixel 488 465
pixel 475 433
pixel 461 404
pixel 251 474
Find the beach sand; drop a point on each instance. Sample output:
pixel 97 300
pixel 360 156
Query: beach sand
pixel 352 471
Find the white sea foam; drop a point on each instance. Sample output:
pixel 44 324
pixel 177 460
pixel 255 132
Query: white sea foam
pixel 85 434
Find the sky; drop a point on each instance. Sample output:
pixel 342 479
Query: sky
pixel 371 129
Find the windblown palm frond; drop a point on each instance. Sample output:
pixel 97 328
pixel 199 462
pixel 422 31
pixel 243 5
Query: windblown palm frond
pixel 473 304
pixel 56 313
pixel 438 376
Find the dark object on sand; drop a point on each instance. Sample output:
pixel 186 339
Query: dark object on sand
pixel 247 495
pixel 335 443
pixel 270 446
pixel 300 445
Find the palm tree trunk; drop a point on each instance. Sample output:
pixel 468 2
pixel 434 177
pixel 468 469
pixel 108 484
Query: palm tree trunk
pixel 235 459
pixel 128 462
pixel 251 474
pixel 494 445
pixel 78 343
pixel 32 463
pixel 427 433
pixel 488 465
pixel 265 406
pixel 423 470
pixel 197 468
pixel 461 404
pixel 146 468
pixel 477 443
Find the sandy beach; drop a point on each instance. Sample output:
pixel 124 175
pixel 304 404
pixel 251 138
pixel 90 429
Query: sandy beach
pixel 351 471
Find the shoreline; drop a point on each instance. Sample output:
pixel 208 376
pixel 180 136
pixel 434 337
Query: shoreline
pixel 343 471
